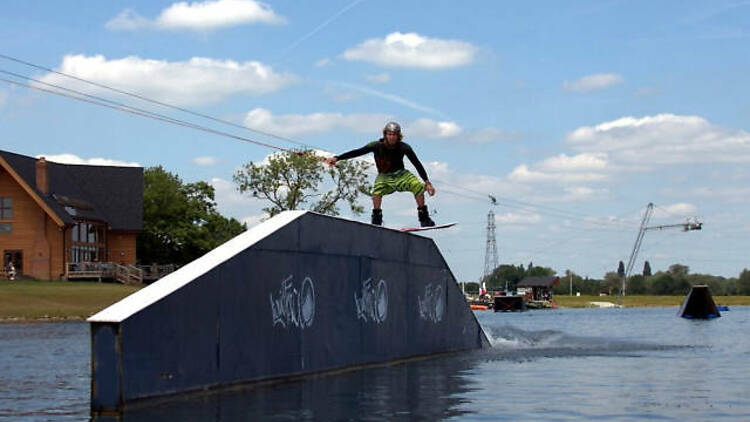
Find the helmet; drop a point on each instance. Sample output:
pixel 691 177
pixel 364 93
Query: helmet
pixel 392 127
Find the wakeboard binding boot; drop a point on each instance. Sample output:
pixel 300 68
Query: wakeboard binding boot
pixel 377 217
pixel 424 217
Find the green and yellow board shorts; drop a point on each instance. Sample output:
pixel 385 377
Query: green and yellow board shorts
pixel 397 181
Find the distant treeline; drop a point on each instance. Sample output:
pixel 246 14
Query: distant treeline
pixel 675 281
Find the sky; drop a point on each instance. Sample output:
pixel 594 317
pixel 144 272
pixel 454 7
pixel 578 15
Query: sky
pixel 574 115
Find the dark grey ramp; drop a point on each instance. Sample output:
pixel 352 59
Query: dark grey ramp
pixel 699 304
pixel 301 293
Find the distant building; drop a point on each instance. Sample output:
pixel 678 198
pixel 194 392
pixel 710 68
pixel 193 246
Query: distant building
pixel 52 214
pixel 538 287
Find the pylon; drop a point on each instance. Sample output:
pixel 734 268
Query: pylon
pixel 490 254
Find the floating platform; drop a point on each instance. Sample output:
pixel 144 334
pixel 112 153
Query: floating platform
pixel 301 293
pixel 699 304
pixel 510 304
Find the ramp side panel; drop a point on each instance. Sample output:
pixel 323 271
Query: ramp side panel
pixel 172 345
pixel 105 367
pixel 285 307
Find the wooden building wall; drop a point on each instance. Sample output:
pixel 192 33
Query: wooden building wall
pixel 121 246
pixel 34 233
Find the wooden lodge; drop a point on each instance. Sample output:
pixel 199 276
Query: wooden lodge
pixel 61 221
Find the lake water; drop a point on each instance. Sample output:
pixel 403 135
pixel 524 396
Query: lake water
pixel 554 365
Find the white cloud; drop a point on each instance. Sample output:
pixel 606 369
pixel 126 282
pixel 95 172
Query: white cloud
pixel 580 193
pixel 304 124
pixel 428 128
pixel 67 158
pixel 379 78
pixel 128 20
pixel 564 162
pixel 592 83
pixel 205 15
pixel 728 194
pixel 323 62
pixel 680 209
pixel 512 218
pixel 413 50
pixel 196 81
pixel 205 161
pixel 524 174
pixel 662 139
pixel 229 200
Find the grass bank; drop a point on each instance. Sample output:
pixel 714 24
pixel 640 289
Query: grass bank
pixel 41 300
pixel 56 300
pixel 638 301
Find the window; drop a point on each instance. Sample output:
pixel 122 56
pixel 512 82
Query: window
pixel 6 208
pixel 88 243
pixel 6 213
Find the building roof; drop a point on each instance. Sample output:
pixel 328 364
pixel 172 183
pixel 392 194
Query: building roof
pixel 110 194
pixel 539 281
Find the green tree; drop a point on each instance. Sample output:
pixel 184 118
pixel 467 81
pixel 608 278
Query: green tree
pixel 646 269
pixel 636 285
pixel 505 273
pixel 743 283
pixel 621 269
pixel 180 221
pixel 679 270
pixel 612 282
pixel 291 181
pixel 669 284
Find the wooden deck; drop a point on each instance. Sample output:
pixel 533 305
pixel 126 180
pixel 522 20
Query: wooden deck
pixel 125 274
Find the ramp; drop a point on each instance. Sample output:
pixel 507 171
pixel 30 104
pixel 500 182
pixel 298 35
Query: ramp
pixel 699 304
pixel 301 293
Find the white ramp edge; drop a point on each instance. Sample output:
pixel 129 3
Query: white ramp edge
pixel 147 296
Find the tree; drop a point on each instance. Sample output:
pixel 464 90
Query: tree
pixel 646 269
pixel 679 270
pixel 636 285
pixel 290 181
pixel 505 273
pixel 612 282
pixel 180 221
pixel 621 269
pixel 743 283
pixel 669 284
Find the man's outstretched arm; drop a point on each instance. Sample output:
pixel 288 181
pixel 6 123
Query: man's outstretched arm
pixel 349 154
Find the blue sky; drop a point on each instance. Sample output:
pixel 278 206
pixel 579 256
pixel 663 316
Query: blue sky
pixel 584 111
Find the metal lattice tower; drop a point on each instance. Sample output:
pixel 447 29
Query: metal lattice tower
pixel 490 255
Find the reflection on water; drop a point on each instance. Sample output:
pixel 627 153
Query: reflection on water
pixel 431 389
pixel 565 365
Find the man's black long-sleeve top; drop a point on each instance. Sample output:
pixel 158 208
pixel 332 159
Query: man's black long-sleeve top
pixel 388 159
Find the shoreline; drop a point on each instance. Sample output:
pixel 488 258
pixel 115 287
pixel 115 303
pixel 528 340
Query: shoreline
pixel 67 301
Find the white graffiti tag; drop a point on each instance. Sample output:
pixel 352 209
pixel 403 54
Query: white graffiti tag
pixel 432 304
pixel 292 307
pixel 372 304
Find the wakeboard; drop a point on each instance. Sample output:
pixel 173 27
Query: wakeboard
pixel 419 229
